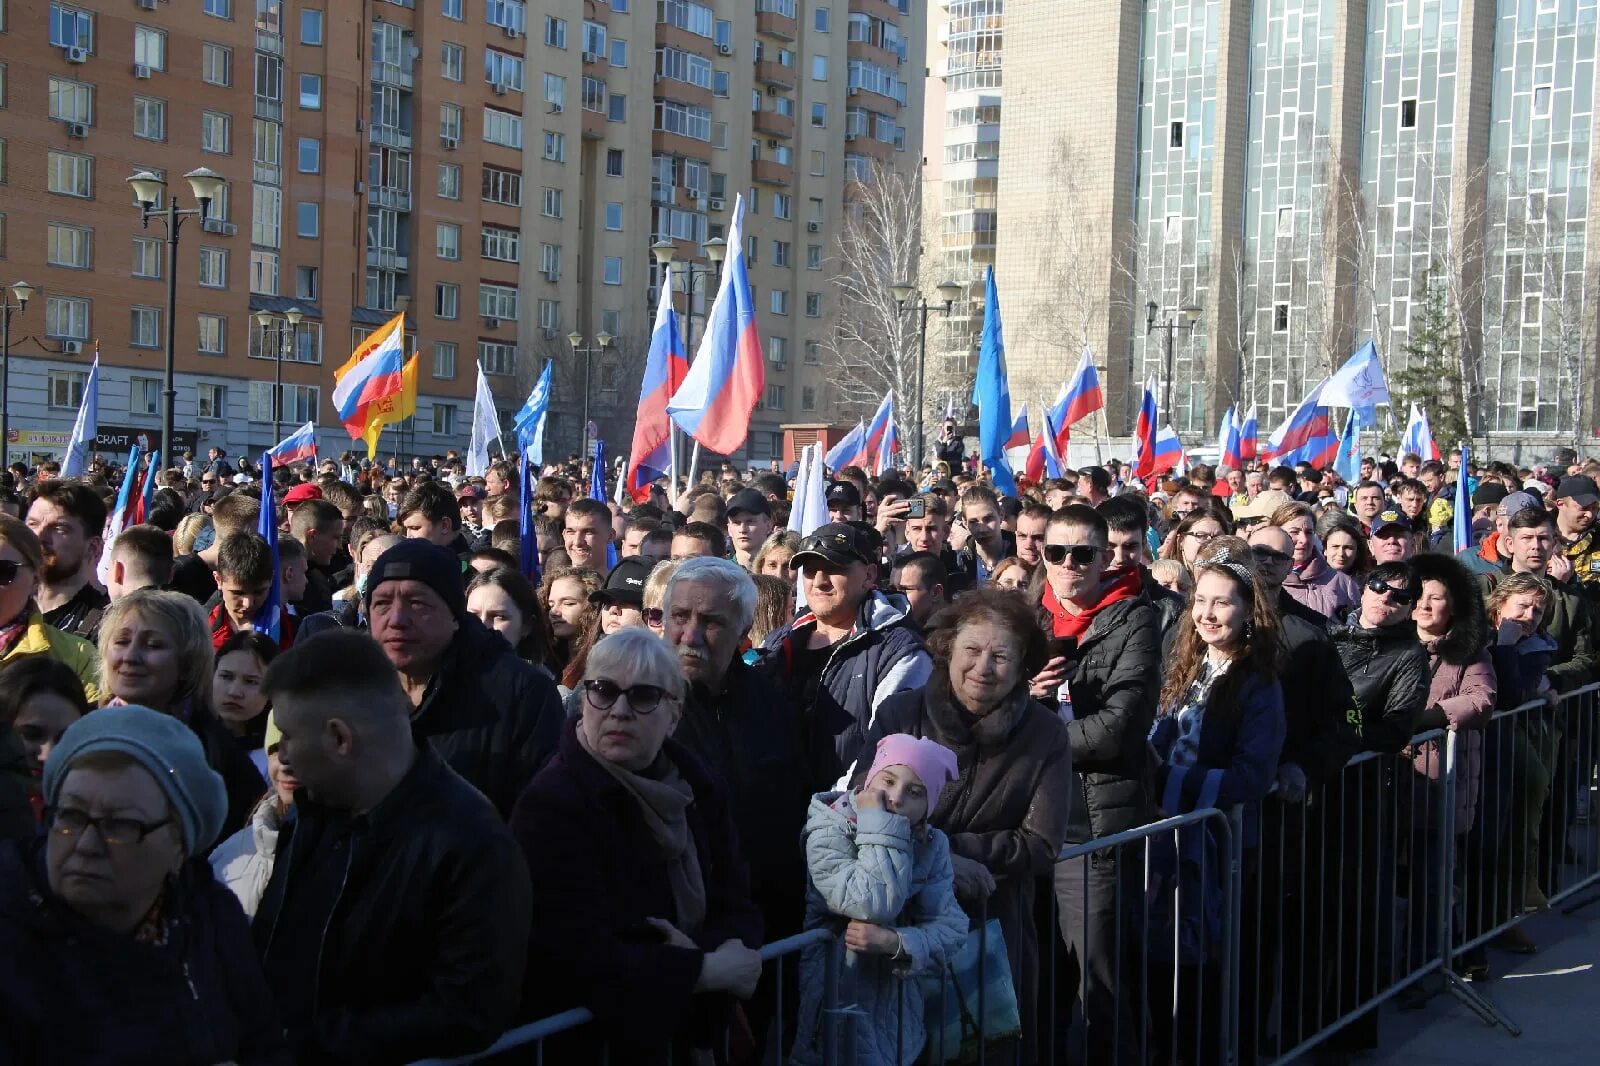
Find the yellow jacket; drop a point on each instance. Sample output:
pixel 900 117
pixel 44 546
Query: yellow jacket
pixel 77 653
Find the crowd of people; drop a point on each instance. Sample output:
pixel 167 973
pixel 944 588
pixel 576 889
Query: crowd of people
pixel 446 796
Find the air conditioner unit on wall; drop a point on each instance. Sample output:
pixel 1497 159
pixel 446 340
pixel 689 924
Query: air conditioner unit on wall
pixel 491 323
pixel 141 71
pixel 725 49
pixel 77 55
pixel 718 203
pixel 71 347
pixel 147 5
pixel 77 129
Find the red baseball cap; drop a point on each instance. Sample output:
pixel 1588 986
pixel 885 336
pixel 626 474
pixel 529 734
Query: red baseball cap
pixel 302 493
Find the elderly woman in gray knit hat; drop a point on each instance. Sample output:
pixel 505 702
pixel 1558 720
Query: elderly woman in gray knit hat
pixel 116 943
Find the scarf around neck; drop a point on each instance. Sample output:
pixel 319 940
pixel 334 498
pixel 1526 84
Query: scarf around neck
pixel 664 801
pixel 1063 623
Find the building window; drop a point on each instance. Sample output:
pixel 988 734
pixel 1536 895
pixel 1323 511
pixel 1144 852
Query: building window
pixel 1175 134
pixel 780 253
pixel 149 118
pixel 65 387
pixel 452 9
pixel 216 64
pixel 780 301
pixel 819 68
pixel 721 84
pixel 309 157
pixel 450 122
pixel 1280 317
pixel 150 47
pixel 550 316
pixel 211 401
pixel 71 101
pixel 452 62
pixel 222 9
pixel 144 329
pixel 146 257
pixel 819 118
pixel 813 257
pixel 617 107
pixel 311 27
pixel 619 53
pixel 820 19
pixel 216 133
pixel 555 93
pixel 501 244
pixel 811 352
pixel 213 268
pixel 311 92
pixel 308 219
pixel 552 202
pixel 444 420
pixel 266 210
pixel 611 321
pixel 503 71
pixel 613 216
pixel 70 246
pixel 300 403
pixel 1541 101
pixel 1408 114
pixel 773 401
pixel 446 301
pixel 1532 308
pixel 144 396
pixel 502 187
pixel 263 273
pixel 449 181
pixel 555 146
pixel 497 358
pixel 212 334
pixel 813 305
pixel 71 27
pixel 444 361
pixel 498 301
pixel 447 241
pixel 502 128
pixel 808 397
pixel 782 205
pixel 305 283
pixel 555 32
pixel 778 350
pixel 613 162
pixel 613 270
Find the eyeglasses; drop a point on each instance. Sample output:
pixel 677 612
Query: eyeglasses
pixel 1203 538
pixel 207 481
pixel 1402 597
pixel 9 569
pixel 1268 555
pixel 1081 554
pixel 644 699
pixel 71 822
pixel 654 617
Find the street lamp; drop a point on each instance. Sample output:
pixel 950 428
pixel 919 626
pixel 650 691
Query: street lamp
pixel 286 335
pixel 602 341
pixel 1186 319
pixel 665 251
pixel 21 293
pixel 206 185
pixel 903 292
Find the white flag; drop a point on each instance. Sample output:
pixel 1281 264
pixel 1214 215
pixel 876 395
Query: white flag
pixel 84 429
pixel 485 428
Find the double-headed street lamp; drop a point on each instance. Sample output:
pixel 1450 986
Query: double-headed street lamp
pixel 602 341
pixel 903 292
pixel 1186 318
pixel 665 251
pixel 206 184
pixel 21 292
pixel 286 336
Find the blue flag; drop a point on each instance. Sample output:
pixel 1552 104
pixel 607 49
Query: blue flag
pixel 992 393
pixel 528 539
pixel 597 491
pixel 76 462
pixel 529 422
pixel 269 617
pixel 1347 462
pixel 1463 515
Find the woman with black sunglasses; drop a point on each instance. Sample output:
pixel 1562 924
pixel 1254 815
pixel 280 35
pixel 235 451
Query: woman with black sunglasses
pixel 641 901
pixel 23 630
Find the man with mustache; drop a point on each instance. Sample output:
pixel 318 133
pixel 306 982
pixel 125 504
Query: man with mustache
pixel 68 518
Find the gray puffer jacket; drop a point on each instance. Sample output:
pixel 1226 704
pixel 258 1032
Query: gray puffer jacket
pixel 871 866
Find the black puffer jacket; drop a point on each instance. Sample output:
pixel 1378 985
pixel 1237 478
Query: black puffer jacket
pixel 1114 676
pixel 1318 700
pixel 427 944
pixel 1388 669
pixel 493 717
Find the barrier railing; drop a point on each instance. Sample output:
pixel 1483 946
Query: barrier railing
pixel 1253 938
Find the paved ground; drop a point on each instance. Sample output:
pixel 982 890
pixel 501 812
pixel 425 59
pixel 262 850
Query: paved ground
pixel 1551 995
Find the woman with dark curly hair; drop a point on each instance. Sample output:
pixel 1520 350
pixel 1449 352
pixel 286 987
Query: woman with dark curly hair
pixel 1007 812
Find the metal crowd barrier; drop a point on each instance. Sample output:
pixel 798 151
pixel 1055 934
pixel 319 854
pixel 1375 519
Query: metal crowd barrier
pixel 1198 939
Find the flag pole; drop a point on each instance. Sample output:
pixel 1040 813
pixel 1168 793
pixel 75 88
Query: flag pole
pixel 694 462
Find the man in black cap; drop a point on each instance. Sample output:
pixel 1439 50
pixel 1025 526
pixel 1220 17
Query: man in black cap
pixel 493 717
pixel 1576 500
pixel 1392 539
pixel 1485 499
pixel 621 599
pixel 844 502
pixel 853 647
pixel 749 525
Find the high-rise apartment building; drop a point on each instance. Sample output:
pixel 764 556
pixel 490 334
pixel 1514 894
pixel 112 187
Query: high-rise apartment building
pixel 1309 174
pixel 512 164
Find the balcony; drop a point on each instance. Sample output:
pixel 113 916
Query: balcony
pixel 386 259
pixel 391 137
pixel 268 42
pixel 773 24
pixel 392 74
pixel 269 109
pixel 393 199
pixel 773 124
pixel 594 125
pixel 771 72
pixel 767 172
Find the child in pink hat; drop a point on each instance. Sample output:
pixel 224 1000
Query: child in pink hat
pixel 880 878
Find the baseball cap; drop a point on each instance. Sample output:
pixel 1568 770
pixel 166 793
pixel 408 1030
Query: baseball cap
pixel 837 544
pixel 625 583
pixel 301 493
pixel 1490 492
pixel 1580 489
pixel 1515 503
pixel 469 491
pixel 749 500
pixel 844 494
pixel 1391 518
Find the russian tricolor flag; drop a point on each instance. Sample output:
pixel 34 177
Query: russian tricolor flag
pixel 850 451
pixel 1169 450
pixel 664 370
pixel 1418 438
pixel 375 370
pixel 1044 460
pixel 1144 433
pixel 1306 436
pixel 269 616
pixel 726 380
pixel 117 518
pixel 1082 396
pixel 1019 429
pixel 879 432
pixel 1248 432
pixel 1228 442
pixel 296 447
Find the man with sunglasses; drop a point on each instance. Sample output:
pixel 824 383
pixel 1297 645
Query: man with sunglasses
pixel 852 648
pixel 1377 641
pixel 1103 675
